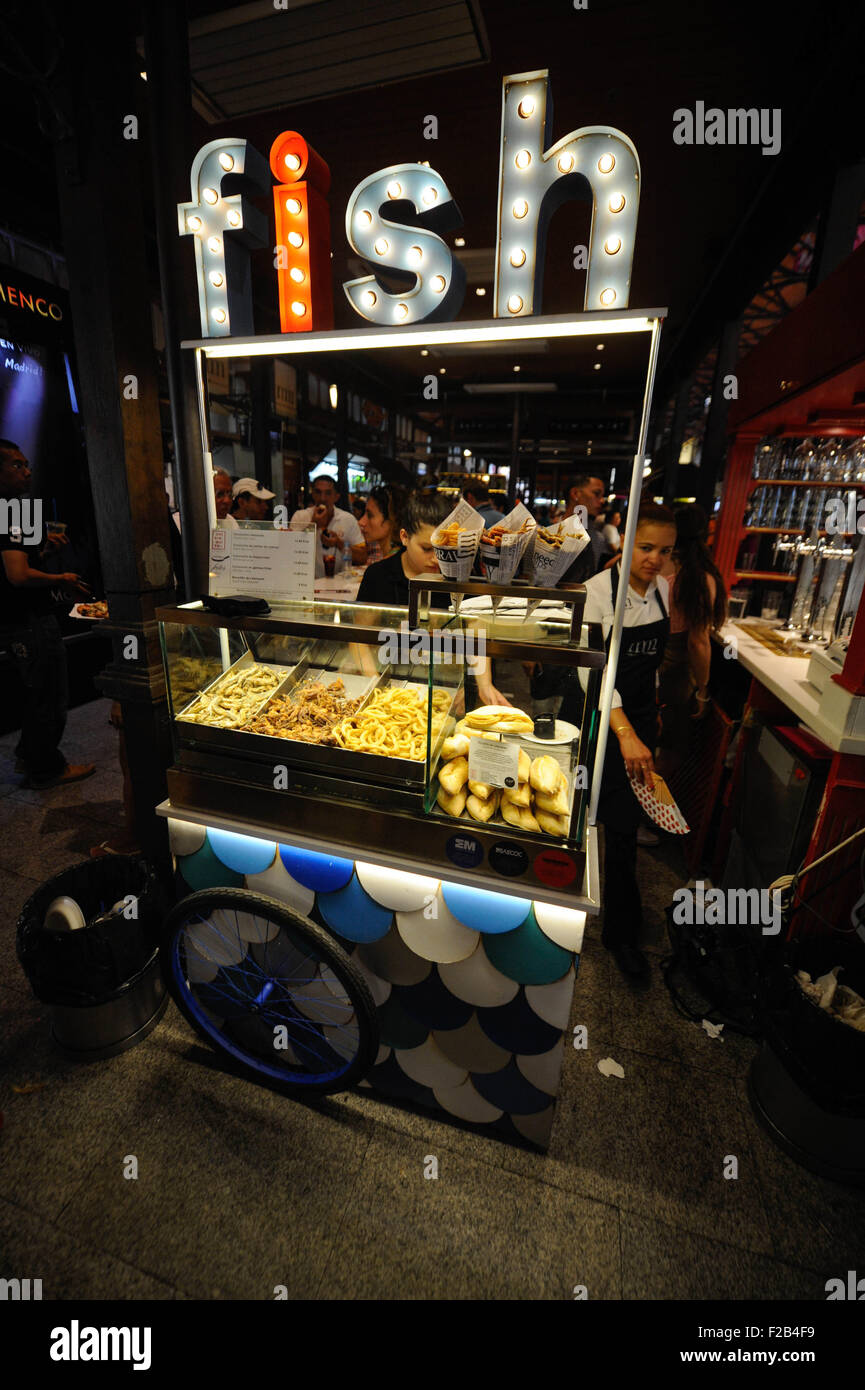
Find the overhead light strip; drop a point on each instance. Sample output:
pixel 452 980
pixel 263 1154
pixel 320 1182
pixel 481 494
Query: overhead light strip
pixel 427 335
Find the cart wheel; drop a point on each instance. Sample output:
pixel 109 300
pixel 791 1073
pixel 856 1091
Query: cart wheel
pixel 271 990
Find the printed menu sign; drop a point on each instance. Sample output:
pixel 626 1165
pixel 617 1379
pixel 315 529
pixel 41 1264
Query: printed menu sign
pixel 263 563
pixel 495 763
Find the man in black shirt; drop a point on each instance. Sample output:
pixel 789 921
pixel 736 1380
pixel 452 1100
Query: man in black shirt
pixel 587 492
pixel 31 634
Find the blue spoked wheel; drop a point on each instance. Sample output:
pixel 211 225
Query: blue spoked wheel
pixel 271 990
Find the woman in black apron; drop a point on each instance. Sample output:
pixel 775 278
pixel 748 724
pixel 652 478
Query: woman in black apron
pixel 633 731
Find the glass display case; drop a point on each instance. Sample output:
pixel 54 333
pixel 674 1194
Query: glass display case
pixel 362 728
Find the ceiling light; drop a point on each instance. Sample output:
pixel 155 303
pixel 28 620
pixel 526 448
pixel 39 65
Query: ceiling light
pixel 424 352
pixel 480 290
pixel 442 371
pixel 467 453
pixel 459 241
pixel 597 366
pixel 516 369
pixel 599 347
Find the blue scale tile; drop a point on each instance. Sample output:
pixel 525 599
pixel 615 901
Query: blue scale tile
pixel 432 1003
pixel 352 913
pixel 399 1028
pixel 517 1028
pixel 510 1091
pixel 241 853
pixel 527 955
pixel 324 873
pixel 203 870
pixel 485 911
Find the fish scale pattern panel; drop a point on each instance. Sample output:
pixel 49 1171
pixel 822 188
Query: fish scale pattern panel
pixel 473 988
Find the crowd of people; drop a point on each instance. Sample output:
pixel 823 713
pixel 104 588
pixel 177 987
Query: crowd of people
pixel 675 597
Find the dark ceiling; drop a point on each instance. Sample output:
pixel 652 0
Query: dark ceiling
pixel 714 220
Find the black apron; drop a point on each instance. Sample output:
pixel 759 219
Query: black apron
pixel 640 655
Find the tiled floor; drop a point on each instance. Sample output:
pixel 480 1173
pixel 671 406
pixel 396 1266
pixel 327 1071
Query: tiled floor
pixel 240 1192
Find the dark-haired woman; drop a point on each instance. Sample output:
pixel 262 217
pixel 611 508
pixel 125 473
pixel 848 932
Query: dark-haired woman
pixel 698 606
pixel 380 522
pixel 633 722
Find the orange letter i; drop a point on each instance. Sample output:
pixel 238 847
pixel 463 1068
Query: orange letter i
pixel 302 223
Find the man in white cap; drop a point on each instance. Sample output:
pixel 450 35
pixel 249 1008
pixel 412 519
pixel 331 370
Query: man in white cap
pixel 250 500
pixel 337 530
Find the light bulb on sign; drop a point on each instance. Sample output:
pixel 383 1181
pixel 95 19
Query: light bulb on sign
pixel 370 299
pixel 364 218
pixel 227 161
pixel 302 221
pixel 608 297
pixel 381 246
pixel 295 240
pixel 293 205
pixel 521 207
pixel 523 159
pixel 515 303
pixel 402 311
pixel 219 315
pixel 394 190
pixel 414 255
pixel 210 195
pixel 216 279
pixel 612 245
pixel 566 163
pixel 480 291
pixel 297 275
pixel 429 196
pixel 194 224
pixel 438 283
pixel 617 202
pixel 606 163
pixel 214 245
pixel 526 107
pixel 234 218
pixel 298 308
pixel 518 257
pixel 292 162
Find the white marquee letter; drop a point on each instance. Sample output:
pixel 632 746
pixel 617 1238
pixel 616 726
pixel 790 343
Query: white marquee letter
pixel 534 180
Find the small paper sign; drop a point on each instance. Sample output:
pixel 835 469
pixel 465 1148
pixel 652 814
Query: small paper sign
pixel 262 562
pixel 493 762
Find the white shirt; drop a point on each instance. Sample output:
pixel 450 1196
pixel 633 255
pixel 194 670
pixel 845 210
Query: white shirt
pixel 342 524
pixel 612 537
pixel 228 523
pixel 640 609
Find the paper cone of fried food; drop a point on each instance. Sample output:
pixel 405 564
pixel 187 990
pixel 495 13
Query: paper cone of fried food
pixel 556 548
pixel 456 540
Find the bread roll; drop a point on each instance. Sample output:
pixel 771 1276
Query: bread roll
pixel 518 796
pixel 525 766
pixel 482 810
pixel 519 816
pixel 453 804
pixel 454 775
pixel 482 790
pixel 553 805
pixel 544 775
pixel 501 718
pixel 552 825
pixel 457 746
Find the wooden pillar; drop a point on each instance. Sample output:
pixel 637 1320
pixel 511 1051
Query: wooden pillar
pixel 100 174
pixel 737 485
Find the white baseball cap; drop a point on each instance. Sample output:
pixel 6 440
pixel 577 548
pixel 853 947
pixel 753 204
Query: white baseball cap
pixel 250 485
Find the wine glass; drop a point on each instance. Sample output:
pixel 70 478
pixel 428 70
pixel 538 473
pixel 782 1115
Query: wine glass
pixel 803 463
pixel 827 460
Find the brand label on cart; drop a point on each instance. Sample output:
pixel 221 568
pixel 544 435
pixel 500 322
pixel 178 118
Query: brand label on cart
pixel 508 860
pixel 464 851
pixel 497 764
pixel 555 868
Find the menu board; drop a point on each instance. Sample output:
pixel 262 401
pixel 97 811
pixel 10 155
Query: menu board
pixel 262 562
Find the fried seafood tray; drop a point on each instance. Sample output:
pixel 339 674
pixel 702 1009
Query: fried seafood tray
pixel 347 762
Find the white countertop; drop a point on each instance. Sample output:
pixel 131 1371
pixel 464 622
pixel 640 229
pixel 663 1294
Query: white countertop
pixel 786 677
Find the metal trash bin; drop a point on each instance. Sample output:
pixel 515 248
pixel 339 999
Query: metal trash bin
pixel 103 981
